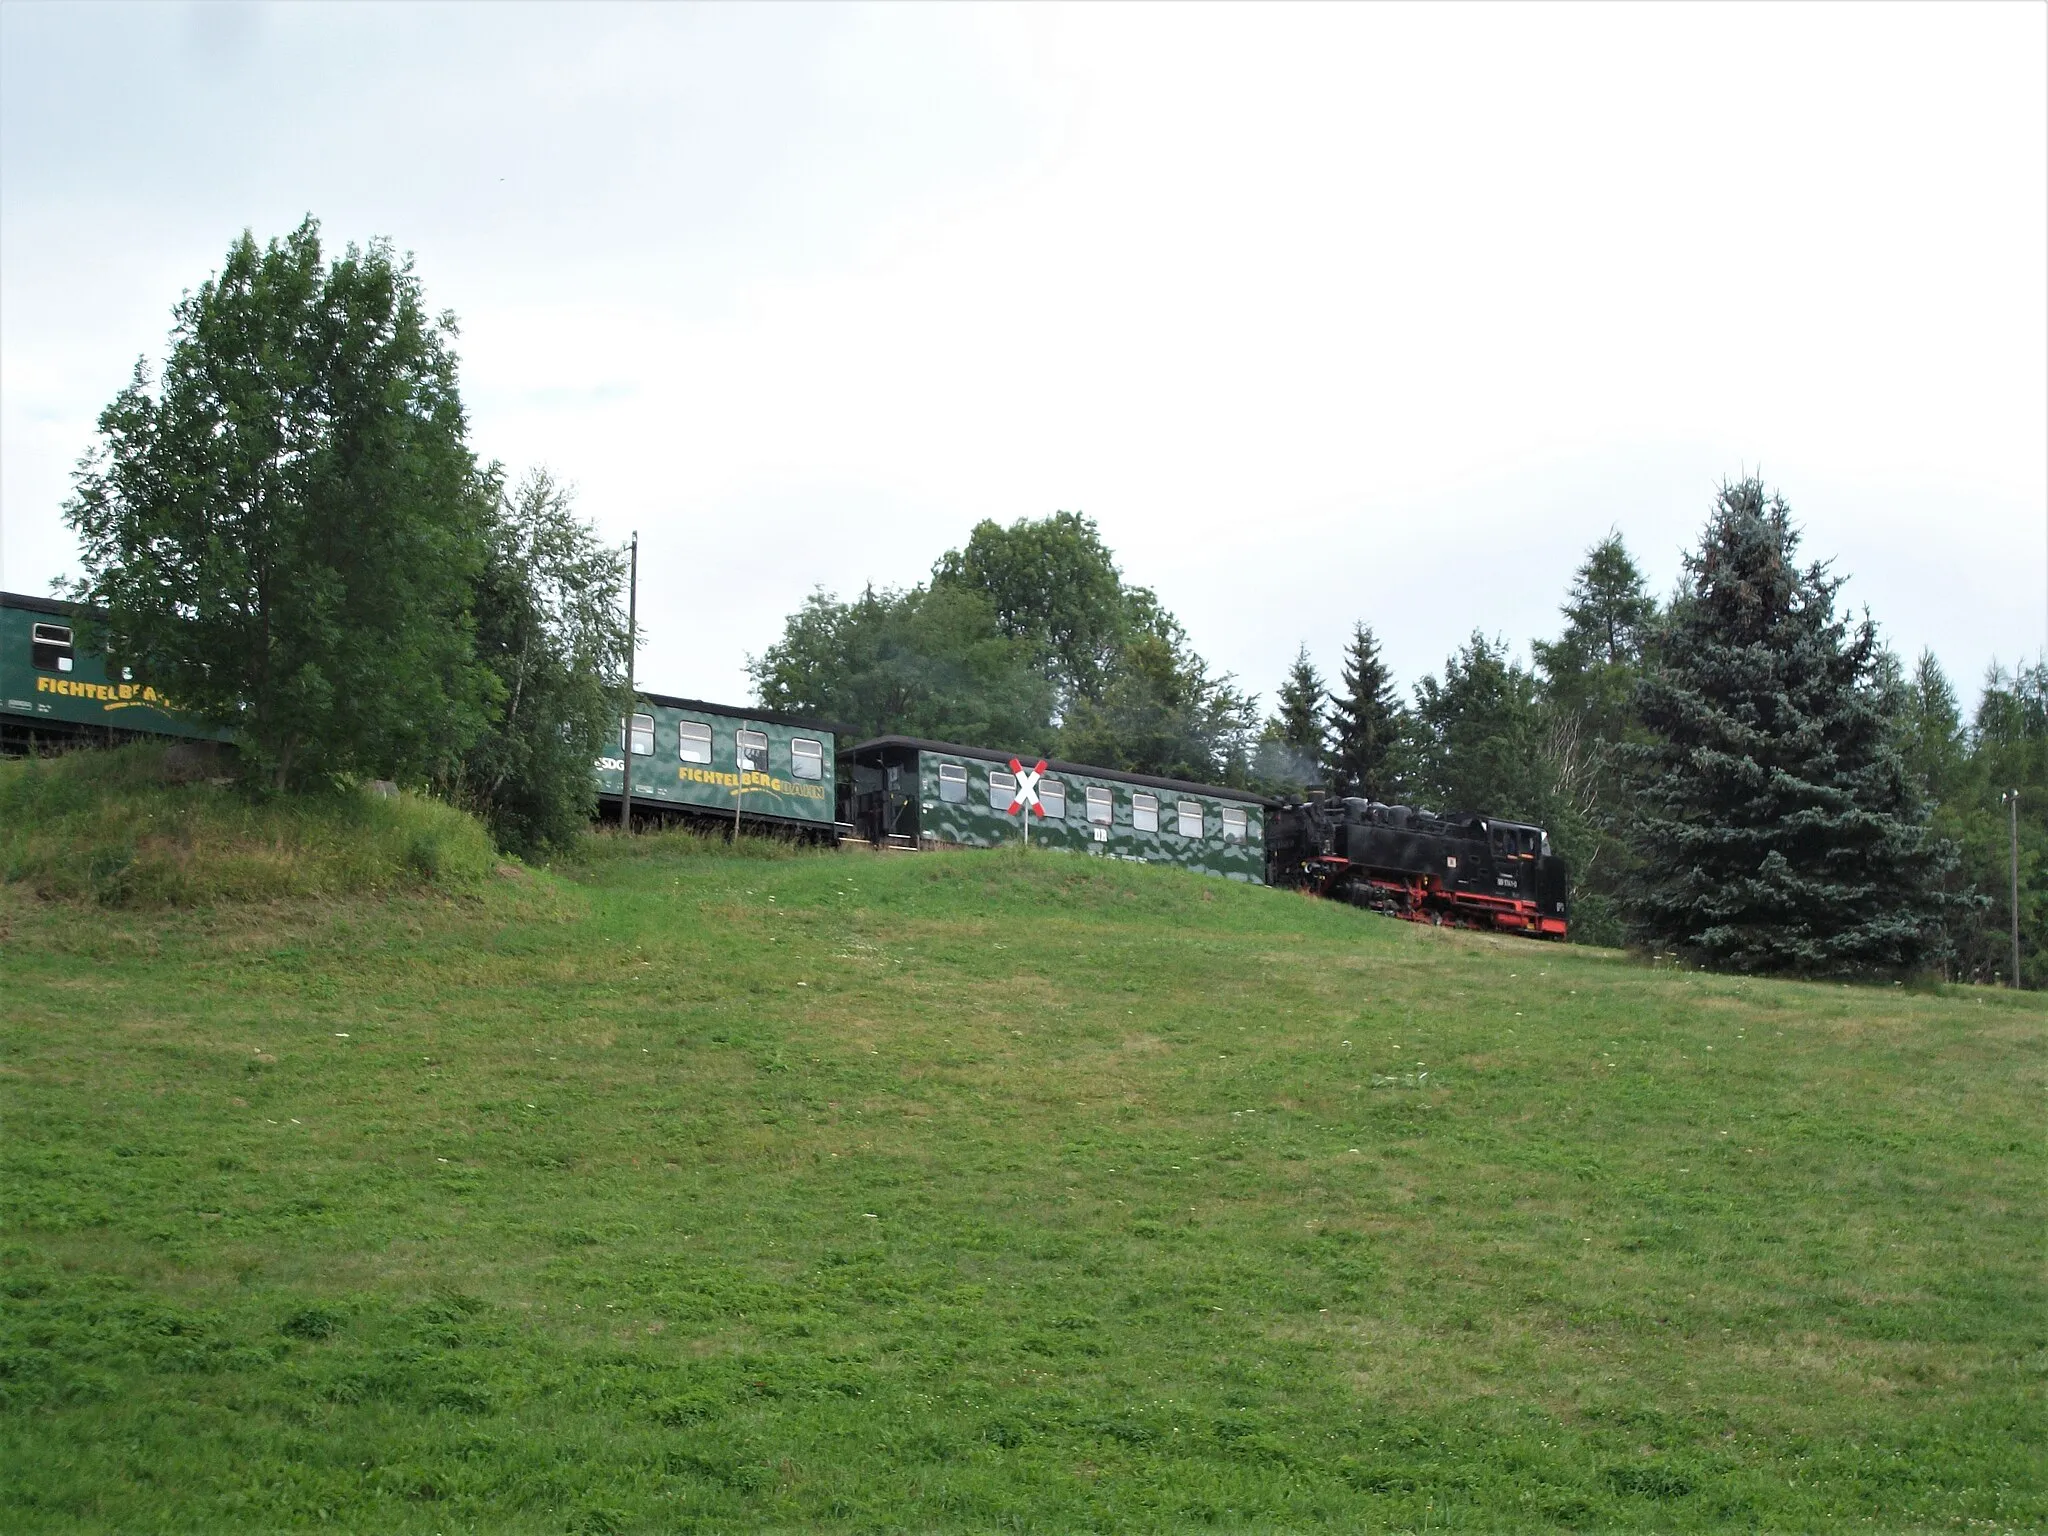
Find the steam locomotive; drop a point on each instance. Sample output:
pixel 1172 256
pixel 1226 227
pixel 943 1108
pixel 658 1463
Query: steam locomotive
pixel 1475 871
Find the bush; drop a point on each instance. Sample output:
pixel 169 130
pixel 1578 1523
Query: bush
pixel 145 826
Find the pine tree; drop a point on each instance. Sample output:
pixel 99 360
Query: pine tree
pixel 1292 746
pixel 1301 703
pixel 1777 827
pixel 1366 723
pixel 1608 610
pixel 1931 733
pixel 1591 666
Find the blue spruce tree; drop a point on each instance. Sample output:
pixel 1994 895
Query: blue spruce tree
pixel 1777 828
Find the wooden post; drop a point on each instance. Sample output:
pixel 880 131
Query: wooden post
pixel 2012 800
pixel 632 643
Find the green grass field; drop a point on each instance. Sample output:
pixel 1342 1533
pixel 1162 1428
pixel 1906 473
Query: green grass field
pixel 686 1189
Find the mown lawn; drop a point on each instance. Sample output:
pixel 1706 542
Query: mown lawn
pixel 704 1191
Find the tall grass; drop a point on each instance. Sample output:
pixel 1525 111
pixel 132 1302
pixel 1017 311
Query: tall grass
pixel 143 826
pixel 606 845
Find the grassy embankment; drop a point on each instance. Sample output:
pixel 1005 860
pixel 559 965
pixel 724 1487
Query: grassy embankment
pixel 148 827
pixel 692 1189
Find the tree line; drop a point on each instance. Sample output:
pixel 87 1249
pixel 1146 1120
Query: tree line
pixel 285 530
pixel 1743 774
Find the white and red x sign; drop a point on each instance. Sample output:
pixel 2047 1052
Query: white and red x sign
pixel 1027 787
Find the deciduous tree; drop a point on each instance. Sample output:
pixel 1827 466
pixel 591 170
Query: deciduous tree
pixel 550 626
pixel 1053 586
pixel 1163 712
pixel 929 662
pixel 1478 736
pixel 283 530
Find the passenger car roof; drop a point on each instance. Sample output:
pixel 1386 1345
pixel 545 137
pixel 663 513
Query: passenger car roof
pixel 742 712
pixel 54 605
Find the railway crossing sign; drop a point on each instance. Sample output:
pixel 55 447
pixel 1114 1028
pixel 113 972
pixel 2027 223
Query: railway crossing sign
pixel 1025 800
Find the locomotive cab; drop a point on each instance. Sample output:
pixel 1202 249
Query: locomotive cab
pixel 1538 874
pixel 1515 850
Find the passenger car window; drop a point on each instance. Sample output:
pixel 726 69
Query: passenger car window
pixel 1002 789
pixel 643 735
pixel 49 647
pixel 952 783
pixel 1145 813
pixel 1233 823
pixel 1189 813
pixel 1100 807
pixel 693 742
pixel 807 758
pixel 752 747
pixel 1052 794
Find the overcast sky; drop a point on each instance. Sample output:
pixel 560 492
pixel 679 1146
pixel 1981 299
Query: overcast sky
pixel 1323 313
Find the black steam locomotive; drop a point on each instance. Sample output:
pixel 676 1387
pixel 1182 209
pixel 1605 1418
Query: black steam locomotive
pixel 1475 871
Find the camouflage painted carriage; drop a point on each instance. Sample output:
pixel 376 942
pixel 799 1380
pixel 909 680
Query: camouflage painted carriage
pixel 927 793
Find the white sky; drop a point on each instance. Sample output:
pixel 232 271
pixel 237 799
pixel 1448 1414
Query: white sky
pixel 1322 313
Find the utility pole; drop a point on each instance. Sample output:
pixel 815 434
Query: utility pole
pixel 2012 800
pixel 632 644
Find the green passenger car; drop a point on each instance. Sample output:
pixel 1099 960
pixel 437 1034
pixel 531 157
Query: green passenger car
pixel 941 792
pixel 687 762
pixel 53 689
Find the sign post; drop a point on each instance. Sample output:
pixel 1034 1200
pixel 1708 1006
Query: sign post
pixel 1026 800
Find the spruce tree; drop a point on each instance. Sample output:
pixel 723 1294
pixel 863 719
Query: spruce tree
pixel 1299 725
pixel 1289 755
pixel 1366 723
pixel 1777 827
pixel 1590 672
